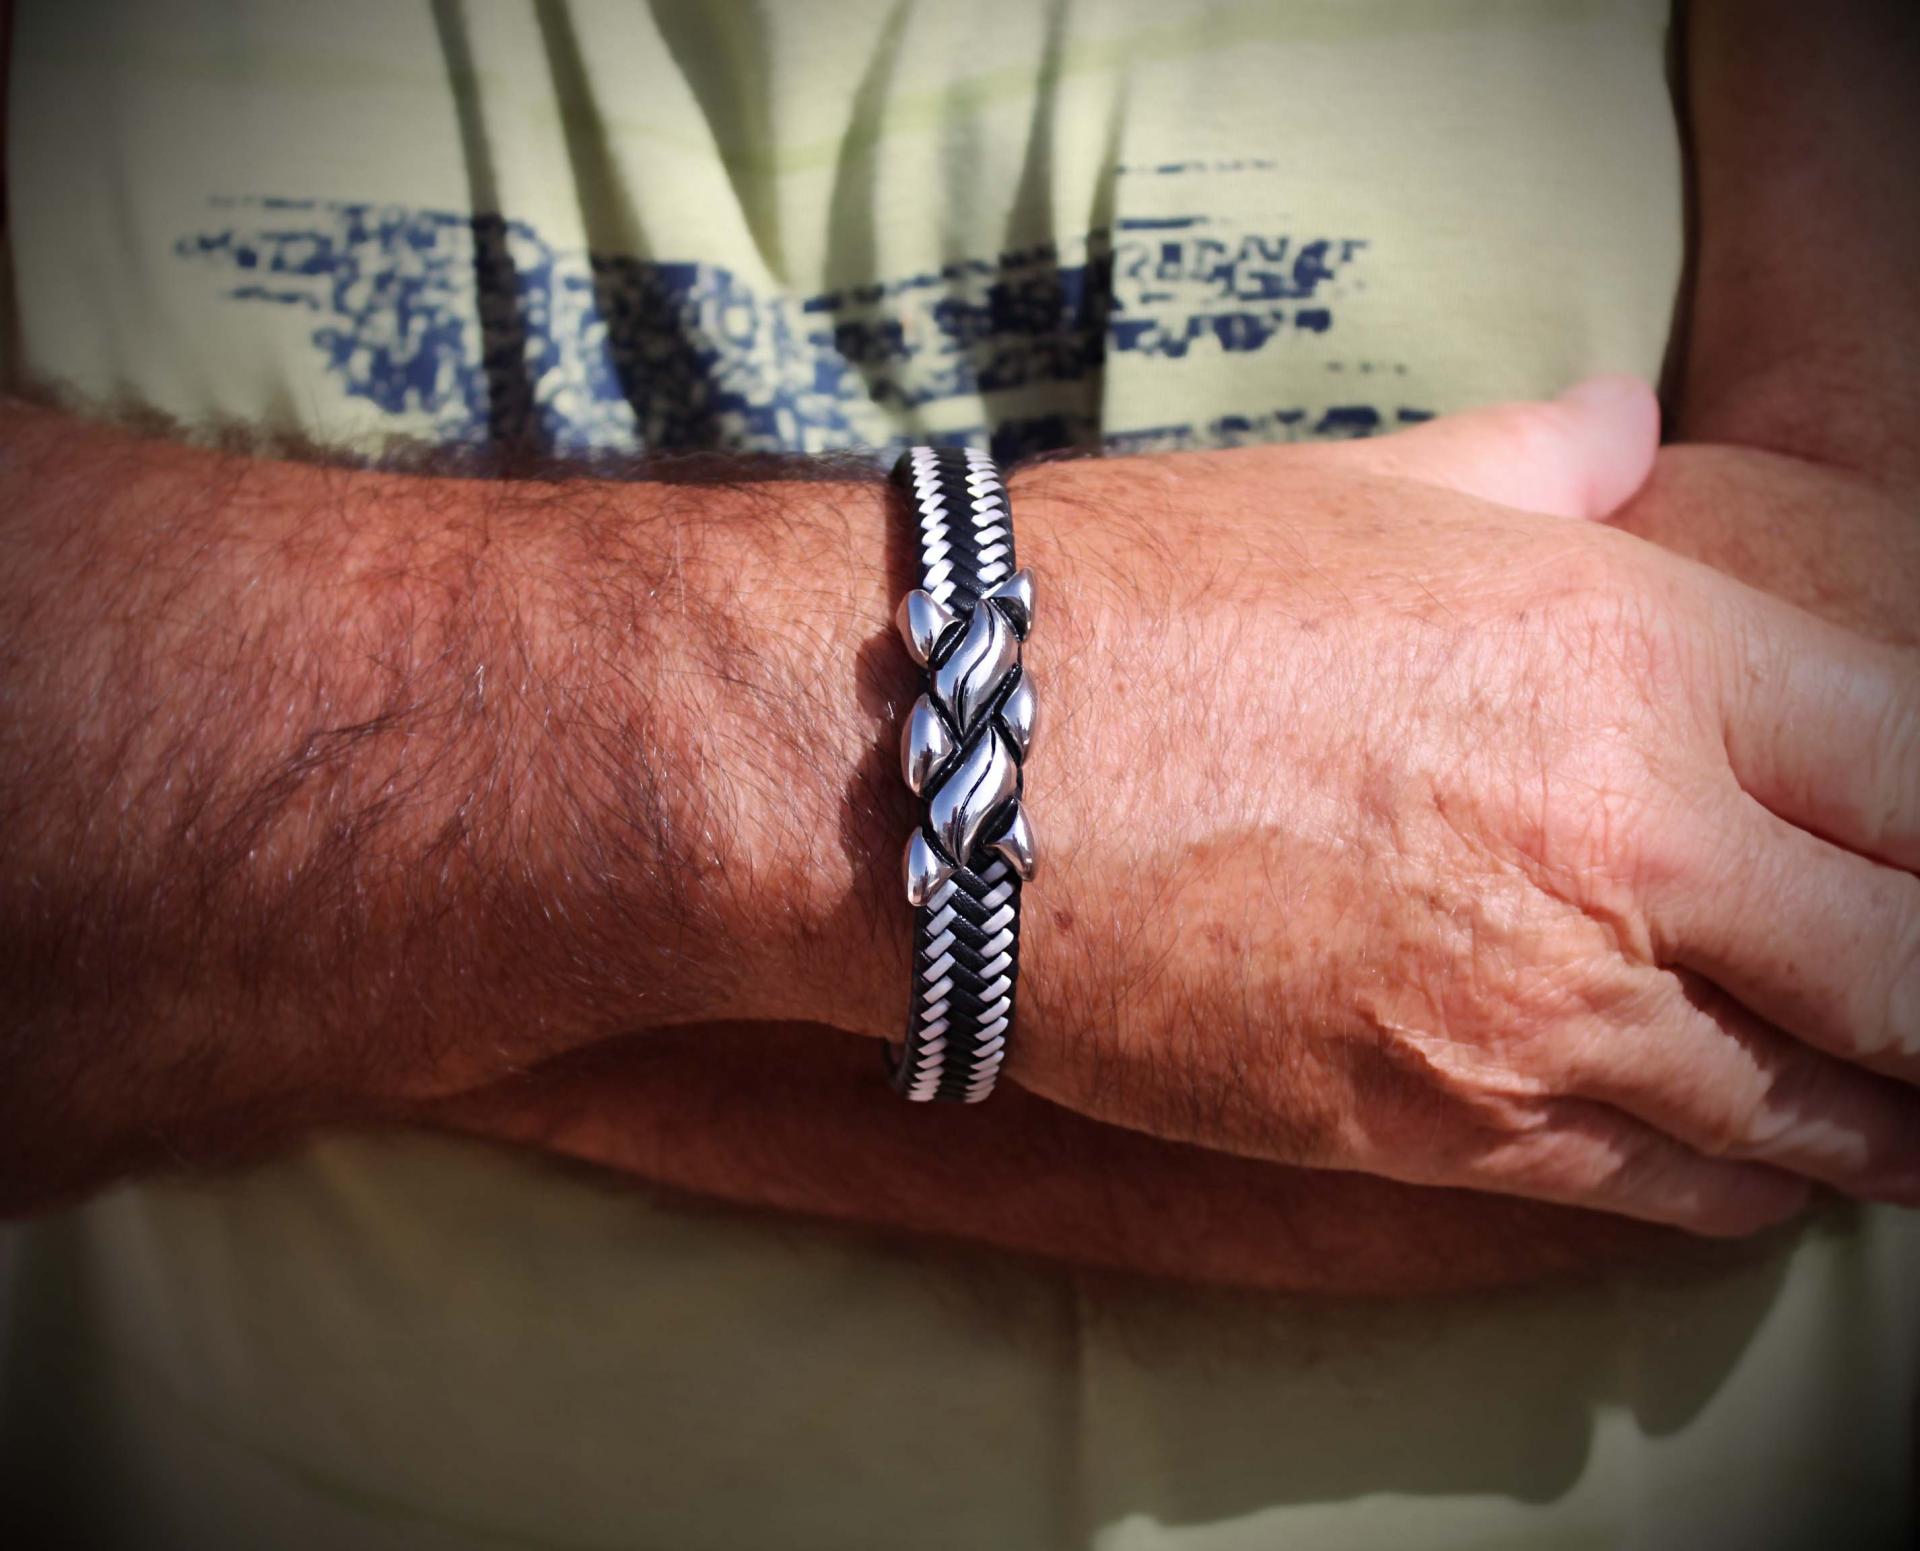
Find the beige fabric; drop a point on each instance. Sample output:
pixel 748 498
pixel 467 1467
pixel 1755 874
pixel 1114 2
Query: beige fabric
pixel 417 1343
pixel 830 225
pixel 1414 205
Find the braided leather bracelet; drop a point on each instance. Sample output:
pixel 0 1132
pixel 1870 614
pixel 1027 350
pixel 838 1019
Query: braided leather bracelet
pixel 961 752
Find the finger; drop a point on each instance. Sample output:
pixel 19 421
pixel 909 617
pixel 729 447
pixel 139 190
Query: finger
pixel 1814 939
pixel 1704 1070
pixel 1582 1153
pixel 1580 455
pixel 1822 726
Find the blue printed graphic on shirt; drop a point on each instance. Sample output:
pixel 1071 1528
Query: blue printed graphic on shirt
pixel 487 330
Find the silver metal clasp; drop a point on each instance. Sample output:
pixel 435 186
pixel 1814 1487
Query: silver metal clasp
pixel 965 740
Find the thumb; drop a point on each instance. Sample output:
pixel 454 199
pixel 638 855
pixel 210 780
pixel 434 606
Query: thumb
pixel 1580 455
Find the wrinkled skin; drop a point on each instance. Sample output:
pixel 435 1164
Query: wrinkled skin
pixel 1441 859
pixel 1359 910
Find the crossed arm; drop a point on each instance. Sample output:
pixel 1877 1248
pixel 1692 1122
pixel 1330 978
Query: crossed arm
pixel 548 810
pixel 345 796
pixel 1793 470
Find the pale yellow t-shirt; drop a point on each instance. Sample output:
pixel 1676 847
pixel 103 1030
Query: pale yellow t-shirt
pixel 813 225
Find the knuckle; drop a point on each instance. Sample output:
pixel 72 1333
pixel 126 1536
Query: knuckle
pixel 1617 831
pixel 1677 840
pixel 1612 627
pixel 1608 834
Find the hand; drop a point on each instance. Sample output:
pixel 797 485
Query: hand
pixel 1835 542
pixel 1393 830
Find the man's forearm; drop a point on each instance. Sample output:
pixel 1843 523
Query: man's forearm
pixel 1799 388
pixel 1804 325
pixel 341 793
pixel 794 1119
pixel 328 790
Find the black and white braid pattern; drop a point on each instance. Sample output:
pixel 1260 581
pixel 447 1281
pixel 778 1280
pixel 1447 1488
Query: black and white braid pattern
pixel 966 530
pixel 962 751
pixel 965 957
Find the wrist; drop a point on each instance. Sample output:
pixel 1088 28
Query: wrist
pixel 828 815
pixel 682 713
pixel 805 739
